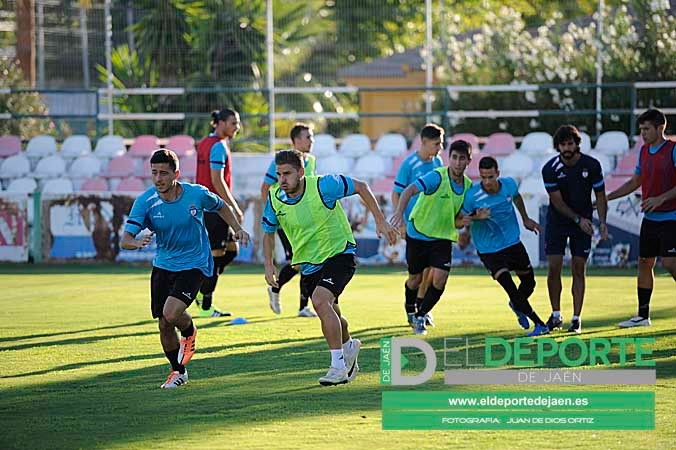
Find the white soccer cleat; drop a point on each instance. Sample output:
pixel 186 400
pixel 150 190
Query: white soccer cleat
pixel 333 377
pixel 306 312
pixel 637 321
pixel 350 354
pixel 175 379
pixel 275 305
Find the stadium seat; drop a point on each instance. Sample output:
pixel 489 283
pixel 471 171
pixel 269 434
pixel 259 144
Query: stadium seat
pixel 334 164
pixel 355 145
pixel 534 186
pixel 182 145
pixel 188 167
pixel 415 143
pixel 41 146
pixel 382 185
pixel 615 181
pixel 468 137
pixel 638 143
pixel 109 147
pixel 76 146
pixel 585 145
pixel 627 164
pixel 518 165
pixel 120 167
pixel 52 166
pixel 396 163
pixel 612 143
pixel 10 145
pixel 472 170
pixel 131 184
pixel 537 143
pixel 324 145
pixel 606 163
pixel 85 167
pixel 94 185
pixel 15 166
pixel 499 144
pixel 22 186
pixel 370 167
pixel 58 186
pixel 144 146
pixel 391 145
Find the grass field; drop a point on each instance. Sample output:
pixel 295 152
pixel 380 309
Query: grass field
pixel 82 363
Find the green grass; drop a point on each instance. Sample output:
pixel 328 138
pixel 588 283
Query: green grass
pixel 82 363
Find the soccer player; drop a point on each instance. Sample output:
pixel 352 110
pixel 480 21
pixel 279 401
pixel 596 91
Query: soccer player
pixel 413 167
pixel 569 179
pixel 174 212
pixel 655 174
pixel 489 211
pixel 302 139
pixel 214 171
pixel 431 228
pixel 309 211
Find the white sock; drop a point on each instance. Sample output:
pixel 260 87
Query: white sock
pixel 337 359
pixel 347 345
pixel 575 318
pixel 556 314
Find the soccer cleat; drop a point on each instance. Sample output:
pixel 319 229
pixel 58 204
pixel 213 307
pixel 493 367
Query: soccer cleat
pixel 187 348
pixel 575 326
pixel 419 326
pixel 539 330
pixel 333 377
pixel 213 312
pixel 411 319
pixel 350 355
pixel 521 317
pixel 275 305
pixel 637 321
pixel 429 320
pixel 175 379
pixel 306 312
pixel 555 323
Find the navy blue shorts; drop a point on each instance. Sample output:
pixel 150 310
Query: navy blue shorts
pixel 557 236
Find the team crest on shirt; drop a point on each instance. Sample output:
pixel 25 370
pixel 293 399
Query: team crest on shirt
pixel 585 173
pixel 509 198
pixel 193 210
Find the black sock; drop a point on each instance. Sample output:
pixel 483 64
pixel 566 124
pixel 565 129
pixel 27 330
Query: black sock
pixel 303 302
pixel 432 296
pixel 418 302
pixel 206 301
pixel 284 277
pixel 644 302
pixel 410 302
pixel 172 356
pixel 188 331
pixel 207 289
pixel 520 304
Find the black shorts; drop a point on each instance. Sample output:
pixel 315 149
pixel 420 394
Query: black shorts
pixel 288 251
pixel 183 285
pixel 657 239
pixel 334 275
pixel 219 232
pixel 513 258
pixel 556 237
pixel 423 254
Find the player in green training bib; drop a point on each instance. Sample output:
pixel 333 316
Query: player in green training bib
pixel 432 226
pixel 307 208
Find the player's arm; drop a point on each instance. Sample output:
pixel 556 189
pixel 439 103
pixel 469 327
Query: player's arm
pixel 397 218
pixel 224 192
pixel 269 226
pixel 265 188
pixel 627 188
pixel 228 215
pixel 129 241
pixel 528 223
pixel 396 196
pixel 269 179
pixel 649 204
pixel 136 222
pixel 557 202
pixel 383 227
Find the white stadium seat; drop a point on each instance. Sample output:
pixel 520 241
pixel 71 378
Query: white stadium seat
pixel 53 166
pixel 15 167
pixel 41 146
pixel 109 147
pixel 585 145
pixel 85 167
pixel 533 186
pixel 537 143
pixel 612 143
pixel 334 164
pixel 324 145
pixel 391 145
pixel 355 145
pixel 517 165
pixel 76 146
pixel 370 167
pixel 22 186
pixel 58 186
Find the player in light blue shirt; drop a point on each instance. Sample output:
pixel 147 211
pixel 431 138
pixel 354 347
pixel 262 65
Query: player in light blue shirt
pixel 489 210
pixel 174 213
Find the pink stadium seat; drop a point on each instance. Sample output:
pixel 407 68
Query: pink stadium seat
pixel 615 181
pixel 469 137
pixel 94 185
pixel 499 144
pixel 9 145
pixel 396 163
pixel 188 167
pixel 120 167
pixel 144 146
pixel 383 185
pixel 415 145
pixel 472 170
pixel 182 145
pixel 131 184
pixel 627 164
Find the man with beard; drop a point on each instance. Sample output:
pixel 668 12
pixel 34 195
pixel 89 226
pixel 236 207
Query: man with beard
pixel 309 211
pixel 569 179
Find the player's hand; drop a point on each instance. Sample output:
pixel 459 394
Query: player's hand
pixel 144 241
pixel 532 225
pixel 466 220
pixel 649 204
pixel 482 214
pixel 271 275
pixel 243 237
pixel 397 220
pixel 586 226
pixel 387 229
pixel 603 228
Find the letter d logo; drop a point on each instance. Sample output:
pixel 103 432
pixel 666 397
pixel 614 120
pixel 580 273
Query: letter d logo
pixel 430 359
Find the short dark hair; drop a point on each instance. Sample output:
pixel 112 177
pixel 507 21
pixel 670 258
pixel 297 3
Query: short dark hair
pixel 296 130
pixel 567 133
pixel 654 116
pixel 293 157
pixel 461 146
pixel 165 156
pixel 223 114
pixel 488 162
pixel 431 131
